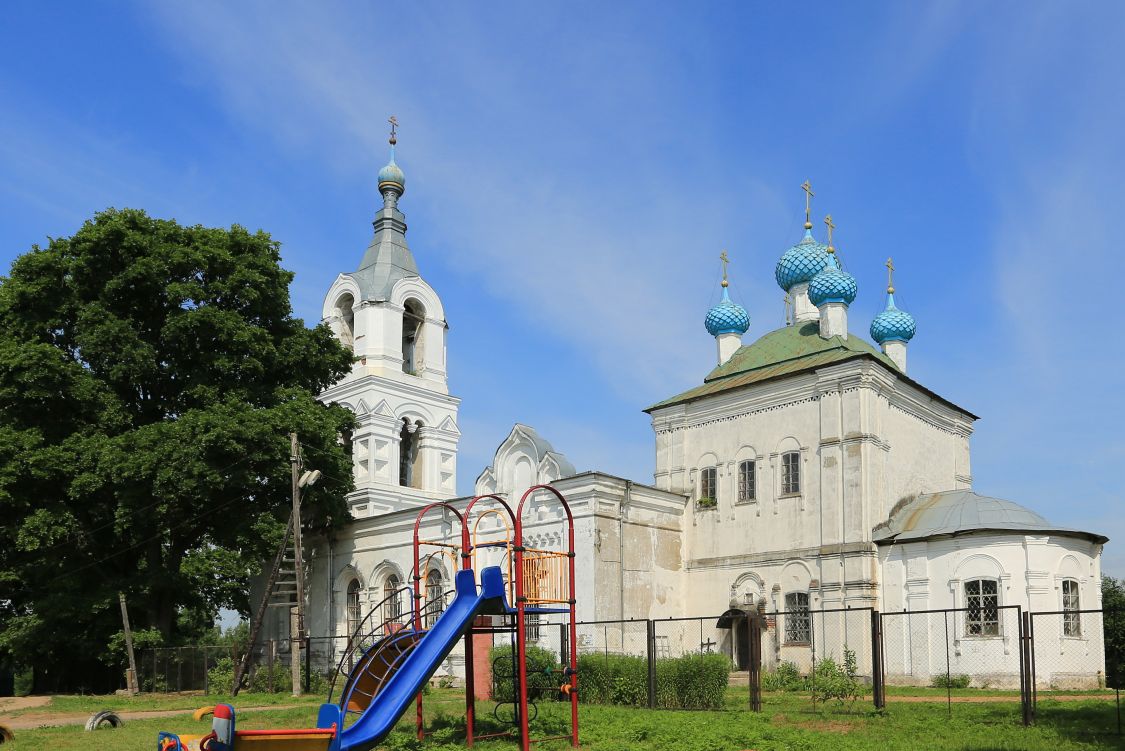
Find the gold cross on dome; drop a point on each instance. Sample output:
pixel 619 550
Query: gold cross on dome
pixel 394 127
pixel 831 226
pixel 725 260
pixel 890 264
pixel 807 187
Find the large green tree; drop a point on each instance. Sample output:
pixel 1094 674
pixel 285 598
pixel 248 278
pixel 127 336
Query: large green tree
pixel 149 376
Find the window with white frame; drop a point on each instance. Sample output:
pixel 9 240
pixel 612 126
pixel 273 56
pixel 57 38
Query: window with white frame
pixel 435 597
pixel 791 473
pixel 798 622
pixel 982 599
pixel 531 627
pixel 392 599
pixel 354 612
pixel 747 481
pixel 708 488
pixel 1072 619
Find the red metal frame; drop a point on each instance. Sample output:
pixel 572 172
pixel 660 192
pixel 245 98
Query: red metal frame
pixel 521 607
pixel 465 563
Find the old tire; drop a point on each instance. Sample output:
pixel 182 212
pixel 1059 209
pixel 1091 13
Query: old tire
pixel 103 718
pixel 6 735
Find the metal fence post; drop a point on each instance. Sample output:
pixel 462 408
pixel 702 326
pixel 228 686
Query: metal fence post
pixel 650 648
pixel 1025 677
pixel 877 687
pixel 308 664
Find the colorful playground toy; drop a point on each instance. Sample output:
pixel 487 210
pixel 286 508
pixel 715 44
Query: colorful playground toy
pixel 391 673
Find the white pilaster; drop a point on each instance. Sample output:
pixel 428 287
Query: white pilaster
pixel 727 344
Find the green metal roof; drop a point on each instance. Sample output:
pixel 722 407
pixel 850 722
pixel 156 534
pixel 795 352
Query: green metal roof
pixel 787 351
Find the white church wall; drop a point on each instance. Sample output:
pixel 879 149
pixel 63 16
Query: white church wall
pixel 932 575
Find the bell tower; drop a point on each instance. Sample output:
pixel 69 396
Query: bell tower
pixel 405 443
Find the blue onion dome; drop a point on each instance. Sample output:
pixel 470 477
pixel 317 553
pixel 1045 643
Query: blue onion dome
pixel 832 284
pixel 392 174
pixel 727 317
pixel 801 263
pixel 893 325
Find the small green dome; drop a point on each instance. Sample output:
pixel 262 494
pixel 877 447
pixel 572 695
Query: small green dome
pixel 392 174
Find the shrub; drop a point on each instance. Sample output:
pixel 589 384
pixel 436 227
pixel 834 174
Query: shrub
pixel 787 677
pixel 951 681
pixel 220 679
pixel 694 681
pixel 544 673
pixel 832 681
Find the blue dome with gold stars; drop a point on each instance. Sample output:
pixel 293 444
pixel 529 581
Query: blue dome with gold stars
pixel 727 317
pixel 832 284
pixel 801 263
pixel 893 325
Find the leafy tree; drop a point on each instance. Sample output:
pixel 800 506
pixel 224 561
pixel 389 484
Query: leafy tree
pixel 1113 620
pixel 149 376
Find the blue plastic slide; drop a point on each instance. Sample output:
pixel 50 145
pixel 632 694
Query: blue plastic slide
pixel 401 688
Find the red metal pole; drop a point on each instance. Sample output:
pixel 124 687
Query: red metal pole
pixel 521 647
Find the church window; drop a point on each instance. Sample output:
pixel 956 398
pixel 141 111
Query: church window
pixel 708 488
pixel 413 318
pixel 798 621
pixel 392 599
pixel 1072 619
pixel 353 607
pixel 435 597
pixel 747 482
pixel 791 473
pixel 531 626
pixel 982 618
pixel 409 460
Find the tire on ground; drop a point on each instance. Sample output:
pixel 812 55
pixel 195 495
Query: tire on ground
pixel 6 735
pixel 105 717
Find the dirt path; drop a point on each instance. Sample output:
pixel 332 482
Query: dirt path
pixel 16 703
pixel 45 719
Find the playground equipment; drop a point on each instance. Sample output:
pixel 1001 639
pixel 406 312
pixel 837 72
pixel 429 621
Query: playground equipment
pixel 397 657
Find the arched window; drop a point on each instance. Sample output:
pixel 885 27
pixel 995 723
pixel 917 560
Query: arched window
pixel 392 599
pixel 791 473
pixel 435 597
pixel 353 607
pixel 708 488
pixel 409 460
pixel 798 623
pixel 345 320
pixel 747 481
pixel 982 598
pixel 1072 619
pixel 413 318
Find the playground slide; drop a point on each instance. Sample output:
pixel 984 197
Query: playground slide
pixel 401 688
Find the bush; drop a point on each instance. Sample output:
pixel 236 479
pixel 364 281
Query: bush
pixel 787 677
pixel 544 673
pixel 831 681
pixel 220 679
pixel 695 681
pixel 951 681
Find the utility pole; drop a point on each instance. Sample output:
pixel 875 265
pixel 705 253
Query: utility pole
pixel 131 678
pixel 296 620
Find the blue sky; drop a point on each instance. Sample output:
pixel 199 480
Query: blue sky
pixel 574 169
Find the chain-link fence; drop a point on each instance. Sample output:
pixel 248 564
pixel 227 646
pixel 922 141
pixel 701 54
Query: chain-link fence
pixel 953 650
pixel 1078 655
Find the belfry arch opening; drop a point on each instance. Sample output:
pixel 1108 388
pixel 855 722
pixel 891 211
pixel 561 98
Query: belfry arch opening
pixel 345 320
pixel 409 455
pixel 413 318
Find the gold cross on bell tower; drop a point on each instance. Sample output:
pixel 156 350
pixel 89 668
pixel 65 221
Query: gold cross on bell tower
pixel 394 127
pixel 890 264
pixel 807 187
pixel 725 260
pixel 828 223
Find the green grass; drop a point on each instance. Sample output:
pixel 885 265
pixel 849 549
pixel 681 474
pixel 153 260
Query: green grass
pixel 788 723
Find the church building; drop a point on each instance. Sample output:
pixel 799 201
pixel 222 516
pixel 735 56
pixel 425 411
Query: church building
pixel 809 471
